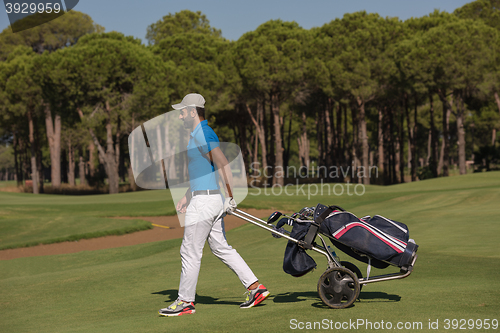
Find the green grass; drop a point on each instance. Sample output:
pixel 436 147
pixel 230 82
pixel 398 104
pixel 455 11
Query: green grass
pixel 454 220
pixel 27 219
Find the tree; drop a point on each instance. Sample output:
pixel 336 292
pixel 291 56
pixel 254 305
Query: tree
pixel 197 61
pixel 62 32
pixel 100 76
pixel 184 21
pixel 362 65
pixel 486 10
pixel 269 61
pixel 22 98
pixel 417 80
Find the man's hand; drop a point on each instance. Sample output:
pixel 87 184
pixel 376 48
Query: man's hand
pixel 229 205
pixel 182 205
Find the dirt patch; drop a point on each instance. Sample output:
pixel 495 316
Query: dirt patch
pixel 165 227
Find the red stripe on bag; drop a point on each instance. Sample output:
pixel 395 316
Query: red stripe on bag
pixel 352 225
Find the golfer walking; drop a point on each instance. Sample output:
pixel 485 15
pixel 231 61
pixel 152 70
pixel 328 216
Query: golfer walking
pixel 204 207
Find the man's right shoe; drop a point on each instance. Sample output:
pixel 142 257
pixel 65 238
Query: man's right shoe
pixel 177 308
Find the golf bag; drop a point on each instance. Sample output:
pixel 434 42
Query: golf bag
pixel 376 240
pixel 296 261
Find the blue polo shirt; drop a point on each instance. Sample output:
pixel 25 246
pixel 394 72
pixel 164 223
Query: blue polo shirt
pixel 202 175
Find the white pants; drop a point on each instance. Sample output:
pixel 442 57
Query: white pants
pixel 201 224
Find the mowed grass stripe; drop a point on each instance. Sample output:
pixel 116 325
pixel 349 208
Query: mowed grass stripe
pixel 120 290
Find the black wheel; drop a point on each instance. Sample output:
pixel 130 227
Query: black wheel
pixel 353 268
pixel 338 287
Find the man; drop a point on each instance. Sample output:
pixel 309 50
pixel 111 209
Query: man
pixel 204 208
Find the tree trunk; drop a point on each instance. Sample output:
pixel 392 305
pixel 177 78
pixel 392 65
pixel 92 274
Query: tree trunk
pixel 329 133
pixel 433 155
pixel 117 149
pixel 380 140
pixel 445 144
pixel 91 168
pixel 494 139
pixel 397 160
pixel 54 139
pixel 81 170
pixel 363 136
pixel 461 135
pixel 34 170
pixel 401 147
pixel 268 130
pixel 260 132
pixel 414 146
pixel 338 146
pixel 39 164
pixel 446 140
pixel 255 154
pixel 71 164
pixel 319 137
pixel 278 164
pixel 429 148
pixel 392 150
pixel 108 157
pixel 355 145
pixel 289 140
pixel 387 147
pixel 345 141
pixel 112 155
pixel 408 163
pixel 242 131
pixel 64 167
pixel 411 142
pixel 131 178
pixel 19 175
pixel 26 165
pixel 303 142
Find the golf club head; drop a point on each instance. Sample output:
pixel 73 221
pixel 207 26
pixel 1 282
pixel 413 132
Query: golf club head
pixel 273 217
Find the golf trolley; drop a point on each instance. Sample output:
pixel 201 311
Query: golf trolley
pixel 339 286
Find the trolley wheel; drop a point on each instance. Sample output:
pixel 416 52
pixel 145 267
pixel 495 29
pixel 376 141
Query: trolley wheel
pixel 353 268
pixel 338 287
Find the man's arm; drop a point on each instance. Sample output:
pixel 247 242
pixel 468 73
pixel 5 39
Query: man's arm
pixel 217 157
pixel 184 202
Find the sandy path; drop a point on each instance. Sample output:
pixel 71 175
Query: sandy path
pixel 158 233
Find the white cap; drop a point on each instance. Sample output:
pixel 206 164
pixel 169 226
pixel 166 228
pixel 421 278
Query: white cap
pixel 190 100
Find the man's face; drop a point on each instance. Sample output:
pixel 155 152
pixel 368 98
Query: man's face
pixel 186 116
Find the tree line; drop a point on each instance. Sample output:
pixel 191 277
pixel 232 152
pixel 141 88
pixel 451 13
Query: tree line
pixel 408 98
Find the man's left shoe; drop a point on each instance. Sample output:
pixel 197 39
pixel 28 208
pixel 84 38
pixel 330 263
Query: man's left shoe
pixel 255 297
pixel 177 308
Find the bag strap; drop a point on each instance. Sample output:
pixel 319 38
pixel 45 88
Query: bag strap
pixel 313 230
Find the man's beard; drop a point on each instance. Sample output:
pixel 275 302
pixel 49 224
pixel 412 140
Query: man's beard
pixel 188 122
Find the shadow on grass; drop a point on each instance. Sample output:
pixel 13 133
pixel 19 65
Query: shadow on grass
pixel 371 296
pixel 292 297
pixel 172 294
pixel 377 296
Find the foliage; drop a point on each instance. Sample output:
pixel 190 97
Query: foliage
pixel 184 21
pixel 362 82
pixel 62 32
pixel 6 157
pixel 485 10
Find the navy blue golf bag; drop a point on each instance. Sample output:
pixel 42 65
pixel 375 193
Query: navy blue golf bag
pixel 375 240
